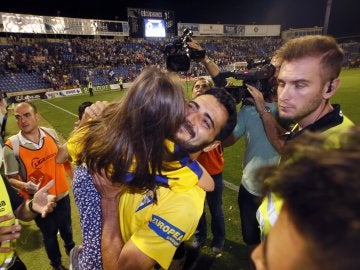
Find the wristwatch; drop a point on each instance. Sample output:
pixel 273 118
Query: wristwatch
pixel 265 110
pixel 31 207
pixel 207 60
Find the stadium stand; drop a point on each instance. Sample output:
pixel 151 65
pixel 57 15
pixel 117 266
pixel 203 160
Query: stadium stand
pixel 22 82
pixel 29 64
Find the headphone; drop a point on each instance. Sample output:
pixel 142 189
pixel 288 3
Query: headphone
pixel 330 86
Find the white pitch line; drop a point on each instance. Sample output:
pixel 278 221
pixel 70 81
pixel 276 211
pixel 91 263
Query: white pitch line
pixel 231 186
pixel 226 183
pixel 59 108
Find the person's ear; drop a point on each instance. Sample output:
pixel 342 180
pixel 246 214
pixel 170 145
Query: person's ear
pixel 211 146
pixel 330 88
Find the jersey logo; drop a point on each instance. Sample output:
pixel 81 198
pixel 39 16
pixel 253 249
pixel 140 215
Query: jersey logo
pixel 2 206
pixel 37 163
pixel 166 230
pixel 147 200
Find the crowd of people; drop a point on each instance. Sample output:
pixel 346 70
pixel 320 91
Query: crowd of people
pixel 77 61
pixel 141 192
pixel 74 62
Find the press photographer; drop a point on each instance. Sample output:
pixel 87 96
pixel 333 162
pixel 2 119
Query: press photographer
pixel 259 74
pixel 178 52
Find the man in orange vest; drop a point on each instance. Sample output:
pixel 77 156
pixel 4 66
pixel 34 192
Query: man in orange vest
pixel 29 159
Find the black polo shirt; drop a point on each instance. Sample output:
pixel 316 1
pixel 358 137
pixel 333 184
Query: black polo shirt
pixel 329 120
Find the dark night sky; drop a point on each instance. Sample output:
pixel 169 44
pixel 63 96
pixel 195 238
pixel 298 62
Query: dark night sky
pixel 344 17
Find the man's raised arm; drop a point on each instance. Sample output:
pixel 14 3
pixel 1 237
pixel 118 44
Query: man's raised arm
pixel 273 130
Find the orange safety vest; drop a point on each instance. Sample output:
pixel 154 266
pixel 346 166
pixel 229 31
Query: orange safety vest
pixel 41 167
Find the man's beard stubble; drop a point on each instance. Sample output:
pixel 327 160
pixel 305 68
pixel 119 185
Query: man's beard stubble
pixel 185 145
pixel 190 148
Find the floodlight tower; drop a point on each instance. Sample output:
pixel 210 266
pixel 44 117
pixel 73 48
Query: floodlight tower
pixel 327 16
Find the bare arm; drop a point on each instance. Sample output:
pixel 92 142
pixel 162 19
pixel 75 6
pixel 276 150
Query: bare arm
pixel 111 240
pixel 212 68
pixel 42 203
pixel 133 258
pixel 273 130
pixel 63 154
pixel 15 182
pixel 115 253
pixel 229 141
pixel 23 212
pixel 206 182
pixel 210 65
pixel 93 112
pixel 29 186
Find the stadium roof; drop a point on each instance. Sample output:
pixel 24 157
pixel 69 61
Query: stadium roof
pixel 344 17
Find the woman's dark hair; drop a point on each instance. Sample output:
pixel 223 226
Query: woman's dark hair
pixel 130 134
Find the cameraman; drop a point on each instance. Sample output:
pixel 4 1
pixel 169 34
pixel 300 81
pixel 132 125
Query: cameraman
pixel 210 66
pixel 259 152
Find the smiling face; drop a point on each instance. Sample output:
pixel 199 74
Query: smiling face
pixel 205 117
pixel 301 90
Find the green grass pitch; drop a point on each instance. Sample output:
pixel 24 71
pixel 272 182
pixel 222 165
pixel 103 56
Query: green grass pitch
pixel 61 114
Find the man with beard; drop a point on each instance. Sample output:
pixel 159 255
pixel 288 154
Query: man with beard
pixel 208 119
pixel 155 221
pixel 259 152
pixel 213 162
pixel 308 78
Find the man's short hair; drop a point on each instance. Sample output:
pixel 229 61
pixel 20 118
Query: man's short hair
pixel 325 47
pixel 229 103
pixel 321 192
pixel 82 107
pixel 30 104
pixel 209 82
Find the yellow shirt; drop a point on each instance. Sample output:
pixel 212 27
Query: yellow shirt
pixel 158 229
pixel 184 173
pixel 270 207
pixel 5 208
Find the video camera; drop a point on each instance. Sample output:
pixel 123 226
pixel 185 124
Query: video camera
pixel 178 53
pixel 259 73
